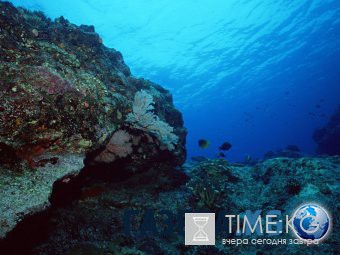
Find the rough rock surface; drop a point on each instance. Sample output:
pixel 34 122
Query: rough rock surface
pixel 24 194
pixel 95 223
pixel 328 137
pixel 64 93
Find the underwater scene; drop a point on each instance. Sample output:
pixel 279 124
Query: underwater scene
pixel 169 127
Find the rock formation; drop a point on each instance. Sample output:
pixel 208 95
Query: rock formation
pixel 328 137
pixel 65 99
pixel 96 223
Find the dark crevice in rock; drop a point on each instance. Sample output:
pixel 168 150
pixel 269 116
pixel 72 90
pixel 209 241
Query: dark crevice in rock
pixel 7 154
pixel 68 189
pixel 29 232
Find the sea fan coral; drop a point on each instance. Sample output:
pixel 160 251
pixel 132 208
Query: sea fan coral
pixel 119 146
pixel 144 118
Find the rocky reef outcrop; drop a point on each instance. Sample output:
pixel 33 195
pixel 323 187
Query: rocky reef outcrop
pixel 291 151
pixel 96 223
pixel 328 137
pixel 68 102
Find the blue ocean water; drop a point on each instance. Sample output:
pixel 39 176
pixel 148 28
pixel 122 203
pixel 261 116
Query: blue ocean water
pixel 258 74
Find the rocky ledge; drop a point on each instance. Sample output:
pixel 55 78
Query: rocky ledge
pixel 69 102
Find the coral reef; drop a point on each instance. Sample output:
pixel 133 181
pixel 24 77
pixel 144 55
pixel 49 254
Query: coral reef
pixel 82 141
pixel 328 137
pixel 63 95
pixel 96 221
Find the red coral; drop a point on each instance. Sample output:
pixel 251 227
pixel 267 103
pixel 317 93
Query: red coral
pixel 30 151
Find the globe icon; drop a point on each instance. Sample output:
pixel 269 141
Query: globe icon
pixel 311 222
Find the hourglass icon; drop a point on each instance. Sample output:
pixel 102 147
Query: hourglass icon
pixel 200 235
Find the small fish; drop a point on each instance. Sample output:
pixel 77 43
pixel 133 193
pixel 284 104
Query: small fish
pixel 221 155
pixel 248 158
pixel 225 146
pixel 203 144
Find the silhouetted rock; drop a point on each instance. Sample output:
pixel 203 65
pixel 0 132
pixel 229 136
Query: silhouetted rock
pixel 328 137
pixel 291 151
pixel 292 147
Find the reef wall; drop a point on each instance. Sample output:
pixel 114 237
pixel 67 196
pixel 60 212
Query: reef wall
pixel 67 101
